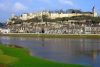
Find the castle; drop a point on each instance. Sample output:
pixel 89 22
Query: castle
pixel 54 15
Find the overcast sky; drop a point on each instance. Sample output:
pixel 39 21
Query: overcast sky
pixel 9 7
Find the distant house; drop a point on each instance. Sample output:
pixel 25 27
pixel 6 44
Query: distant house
pixel 88 30
pixel 92 29
pixel 95 29
pixel 4 30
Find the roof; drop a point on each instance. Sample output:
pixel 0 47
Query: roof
pixel 87 13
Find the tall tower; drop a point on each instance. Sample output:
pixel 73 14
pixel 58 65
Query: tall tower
pixel 94 11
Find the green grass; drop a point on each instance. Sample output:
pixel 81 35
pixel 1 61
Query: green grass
pixel 7 59
pixel 52 35
pixel 19 57
pixel 1 52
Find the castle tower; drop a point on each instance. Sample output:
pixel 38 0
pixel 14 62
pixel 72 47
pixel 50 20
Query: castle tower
pixel 94 12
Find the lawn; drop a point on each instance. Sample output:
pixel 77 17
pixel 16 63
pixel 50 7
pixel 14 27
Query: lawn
pixel 19 57
pixel 52 35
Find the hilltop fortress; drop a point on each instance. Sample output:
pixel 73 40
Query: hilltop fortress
pixel 53 15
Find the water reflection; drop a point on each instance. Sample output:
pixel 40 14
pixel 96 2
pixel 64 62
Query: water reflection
pixel 43 42
pixel 77 51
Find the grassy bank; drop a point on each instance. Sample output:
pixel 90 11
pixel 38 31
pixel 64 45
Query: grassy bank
pixel 18 57
pixel 52 35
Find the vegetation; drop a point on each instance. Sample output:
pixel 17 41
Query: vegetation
pixel 18 57
pixel 66 11
pixel 52 35
pixel 45 18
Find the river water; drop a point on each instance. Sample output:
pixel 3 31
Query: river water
pixel 64 50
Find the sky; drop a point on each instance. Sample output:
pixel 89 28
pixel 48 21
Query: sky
pixel 17 7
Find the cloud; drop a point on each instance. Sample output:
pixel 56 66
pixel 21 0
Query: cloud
pixel 19 6
pixel 13 6
pixel 66 2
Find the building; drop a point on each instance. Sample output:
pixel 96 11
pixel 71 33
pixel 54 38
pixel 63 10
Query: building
pixel 53 15
pixel 4 30
pixel 93 13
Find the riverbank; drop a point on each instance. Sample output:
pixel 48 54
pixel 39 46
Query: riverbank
pixel 18 57
pixel 52 35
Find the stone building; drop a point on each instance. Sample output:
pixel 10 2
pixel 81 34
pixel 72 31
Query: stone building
pixel 54 15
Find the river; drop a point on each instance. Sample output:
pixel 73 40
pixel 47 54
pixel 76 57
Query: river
pixel 64 50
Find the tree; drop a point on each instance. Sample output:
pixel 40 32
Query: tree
pixel 95 20
pixel 18 21
pixel 73 11
pixel 45 18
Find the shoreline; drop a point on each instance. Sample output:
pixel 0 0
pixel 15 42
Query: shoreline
pixel 18 57
pixel 52 35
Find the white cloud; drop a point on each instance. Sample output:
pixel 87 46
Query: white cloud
pixel 19 6
pixel 66 2
pixel 12 7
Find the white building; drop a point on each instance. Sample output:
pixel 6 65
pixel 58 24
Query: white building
pixel 88 30
pixel 4 30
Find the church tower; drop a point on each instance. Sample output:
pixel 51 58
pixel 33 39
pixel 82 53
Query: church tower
pixel 94 12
